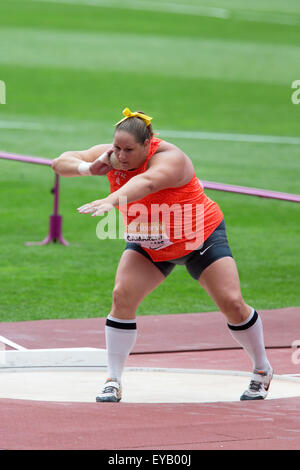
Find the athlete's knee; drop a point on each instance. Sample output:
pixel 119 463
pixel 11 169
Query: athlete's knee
pixel 234 307
pixel 120 294
pixel 124 299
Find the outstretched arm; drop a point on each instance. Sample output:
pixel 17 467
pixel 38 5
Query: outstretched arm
pixel 166 170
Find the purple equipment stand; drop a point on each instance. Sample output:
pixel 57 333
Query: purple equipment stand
pixel 55 222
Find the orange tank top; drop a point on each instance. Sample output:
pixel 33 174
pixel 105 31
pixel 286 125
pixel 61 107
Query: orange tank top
pixel 170 223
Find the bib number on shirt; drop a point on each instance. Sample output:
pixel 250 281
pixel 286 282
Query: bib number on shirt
pixel 150 236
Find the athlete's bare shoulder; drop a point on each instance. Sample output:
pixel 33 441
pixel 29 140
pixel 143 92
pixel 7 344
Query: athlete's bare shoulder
pixel 168 155
pixel 167 147
pixel 171 152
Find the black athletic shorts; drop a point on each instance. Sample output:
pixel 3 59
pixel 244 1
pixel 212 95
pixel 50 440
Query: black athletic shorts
pixel 215 247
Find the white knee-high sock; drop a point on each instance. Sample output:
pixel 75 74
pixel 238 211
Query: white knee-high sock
pixel 120 338
pixel 249 334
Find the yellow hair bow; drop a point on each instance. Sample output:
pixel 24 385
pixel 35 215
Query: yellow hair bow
pixel 127 113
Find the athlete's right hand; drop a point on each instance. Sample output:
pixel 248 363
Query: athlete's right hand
pixel 101 166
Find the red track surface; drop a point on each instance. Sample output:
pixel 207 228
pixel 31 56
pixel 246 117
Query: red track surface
pixel 198 341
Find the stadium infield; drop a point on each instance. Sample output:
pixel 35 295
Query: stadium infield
pixel 198 358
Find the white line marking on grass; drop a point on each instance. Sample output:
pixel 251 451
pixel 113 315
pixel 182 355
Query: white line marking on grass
pixel 186 9
pixel 195 135
pixel 20 125
pixel 273 18
pixel 33 126
pixel 265 139
pixel 149 6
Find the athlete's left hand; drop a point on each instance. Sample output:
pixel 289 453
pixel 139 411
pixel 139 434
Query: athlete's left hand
pixel 99 207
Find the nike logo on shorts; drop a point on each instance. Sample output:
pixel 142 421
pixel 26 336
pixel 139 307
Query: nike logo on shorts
pixel 202 252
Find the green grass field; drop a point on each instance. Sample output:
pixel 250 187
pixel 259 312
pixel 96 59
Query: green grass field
pixel 70 67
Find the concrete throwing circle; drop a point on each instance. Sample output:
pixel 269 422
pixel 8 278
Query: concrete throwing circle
pixel 140 385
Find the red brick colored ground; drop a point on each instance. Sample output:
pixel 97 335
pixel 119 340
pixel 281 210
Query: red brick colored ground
pixel 194 341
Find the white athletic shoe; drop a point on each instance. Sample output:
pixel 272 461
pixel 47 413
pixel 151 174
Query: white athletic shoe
pixel 259 385
pixel 112 391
